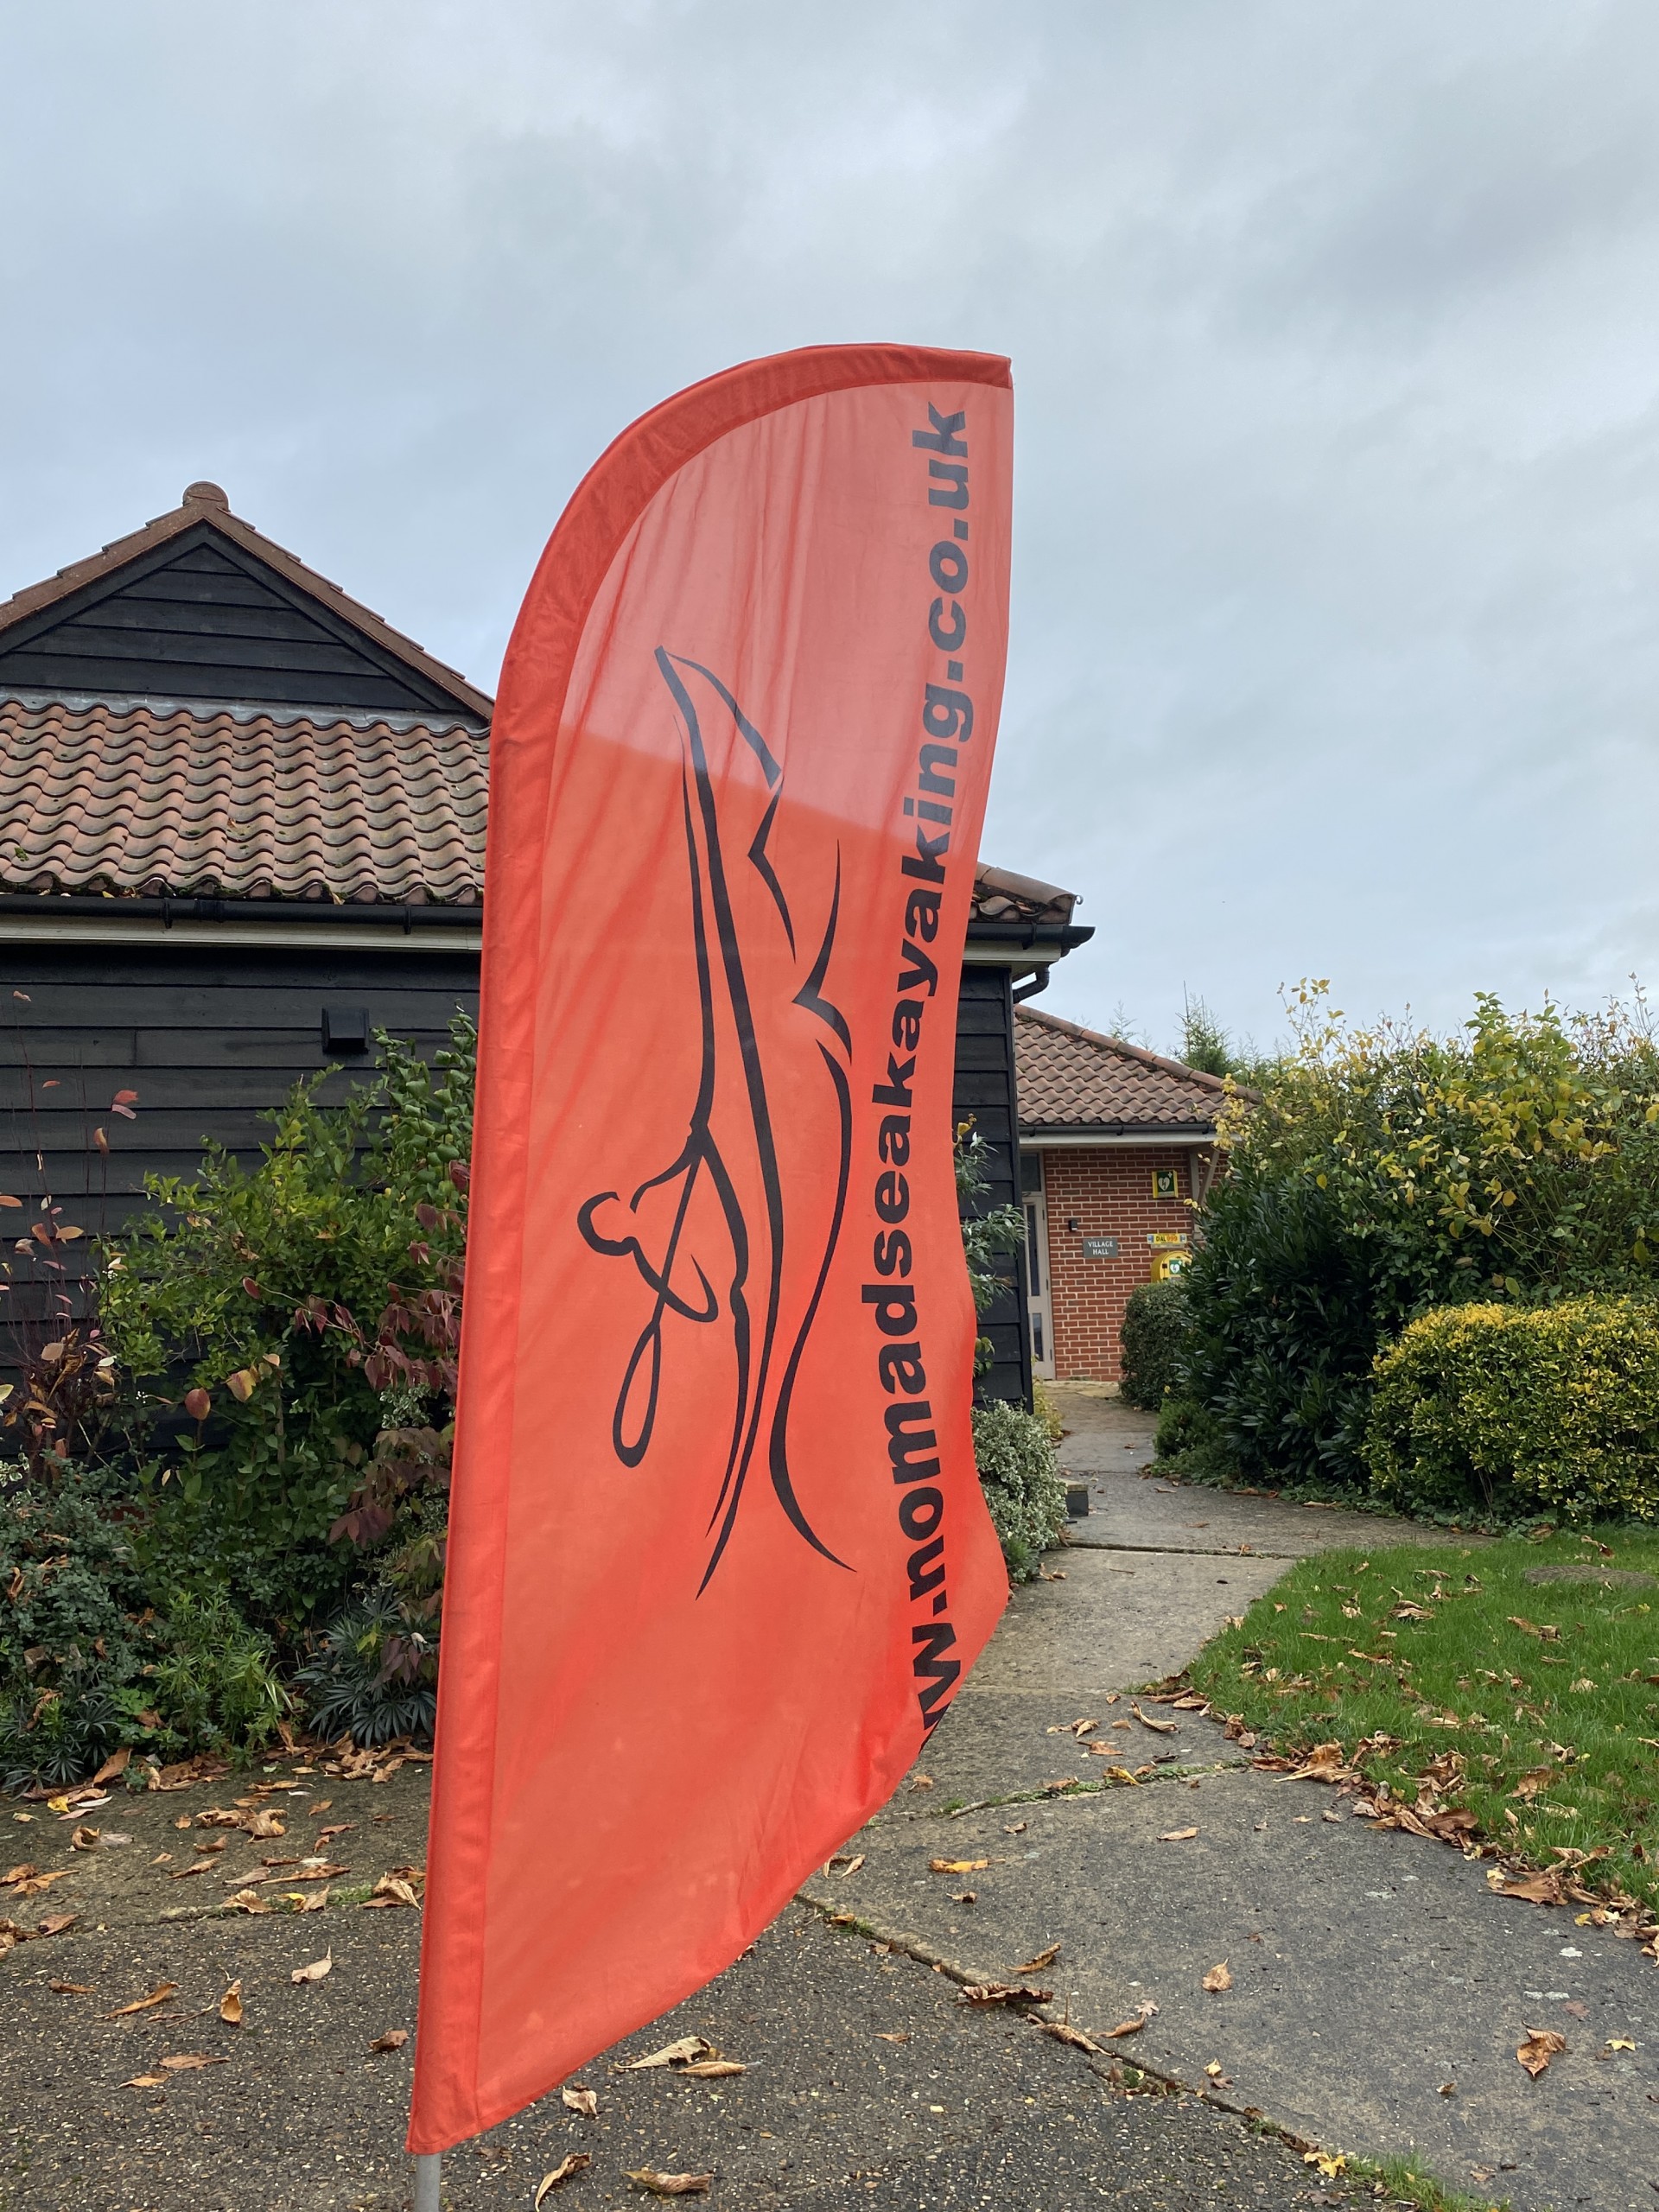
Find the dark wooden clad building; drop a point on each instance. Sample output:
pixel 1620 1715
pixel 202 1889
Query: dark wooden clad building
pixel 242 826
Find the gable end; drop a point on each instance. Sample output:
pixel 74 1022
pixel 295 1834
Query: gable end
pixel 200 617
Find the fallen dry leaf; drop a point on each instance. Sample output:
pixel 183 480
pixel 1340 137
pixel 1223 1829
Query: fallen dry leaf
pixel 1162 1727
pixel 230 2004
pixel 1538 1889
pixel 32 1885
pixel 389 1889
pixel 1043 1959
pixel 1063 2031
pixel 893 2035
pixel 316 1970
pixel 656 2184
pixel 56 1924
pixel 1005 1992
pixel 189 2062
pixel 1541 2046
pixel 71 1988
pixel 393 2039
pixel 159 1995
pixel 1178 1835
pixel 116 1763
pixel 146 2081
pixel 84 1838
pixel 712 2070
pixel 957 1865
pixel 1217 1979
pixel 675 2054
pixel 582 2100
pixel 573 2164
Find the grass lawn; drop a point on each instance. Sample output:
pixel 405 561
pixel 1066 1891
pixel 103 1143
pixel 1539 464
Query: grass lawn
pixel 1466 1671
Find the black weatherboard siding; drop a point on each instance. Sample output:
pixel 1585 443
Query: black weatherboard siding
pixel 983 1092
pixel 211 1039
pixel 200 617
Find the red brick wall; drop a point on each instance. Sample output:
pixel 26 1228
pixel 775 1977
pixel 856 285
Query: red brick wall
pixel 1106 1191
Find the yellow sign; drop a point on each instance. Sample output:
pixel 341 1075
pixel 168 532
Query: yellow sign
pixel 1165 1183
pixel 1165 1239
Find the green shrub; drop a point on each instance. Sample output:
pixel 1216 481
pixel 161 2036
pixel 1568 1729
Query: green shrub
pixel 1152 1335
pixel 376 1674
pixel 92 1657
pixel 259 1318
pixel 70 1600
pixel 1179 1423
pixel 1383 1172
pixel 1282 1325
pixel 1022 1483
pixel 1502 1407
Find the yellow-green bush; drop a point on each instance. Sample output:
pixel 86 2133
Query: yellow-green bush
pixel 1503 1406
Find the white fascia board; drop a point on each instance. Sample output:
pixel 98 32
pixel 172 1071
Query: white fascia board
pixel 1011 955
pixel 1162 1139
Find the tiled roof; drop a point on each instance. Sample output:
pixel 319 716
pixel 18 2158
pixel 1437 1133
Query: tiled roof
pixel 1076 1080
pixel 1000 896
pixel 145 800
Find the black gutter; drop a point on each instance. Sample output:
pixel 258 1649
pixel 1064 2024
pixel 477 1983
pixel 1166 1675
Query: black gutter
pixel 1064 937
pixel 1026 937
pixel 366 914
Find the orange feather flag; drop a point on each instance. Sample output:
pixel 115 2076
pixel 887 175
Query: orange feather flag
pixel 718 1554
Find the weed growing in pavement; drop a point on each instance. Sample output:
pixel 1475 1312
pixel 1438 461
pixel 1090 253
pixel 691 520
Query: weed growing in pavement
pixel 1532 1704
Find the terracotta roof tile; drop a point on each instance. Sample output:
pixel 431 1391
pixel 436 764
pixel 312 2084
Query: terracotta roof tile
pixel 1001 896
pixel 152 801
pixel 1074 1080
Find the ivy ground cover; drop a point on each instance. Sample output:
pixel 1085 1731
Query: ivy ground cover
pixel 1517 1682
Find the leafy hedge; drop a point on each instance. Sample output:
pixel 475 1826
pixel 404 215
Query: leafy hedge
pixel 1022 1480
pixel 1153 1332
pixel 1496 1406
pixel 1385 1172
pixel 89 1661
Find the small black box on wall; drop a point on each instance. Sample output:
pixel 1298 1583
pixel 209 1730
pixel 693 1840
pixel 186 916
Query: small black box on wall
pixel 345 1029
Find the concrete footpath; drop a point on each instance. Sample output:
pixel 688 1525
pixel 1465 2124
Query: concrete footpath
pixel 1378 1989
pixel 867 2081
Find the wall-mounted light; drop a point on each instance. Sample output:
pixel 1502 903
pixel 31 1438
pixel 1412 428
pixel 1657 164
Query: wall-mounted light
pixel 1072 1223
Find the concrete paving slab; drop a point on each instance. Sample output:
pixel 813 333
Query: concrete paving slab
pixel 1379 1990
pixel 1110 1446
pixel 1104 1626
pixel 153 1860
pixel 1151 1512
pixel 869 2083
pixel 1115 1621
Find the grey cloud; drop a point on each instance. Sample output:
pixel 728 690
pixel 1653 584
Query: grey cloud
pixel 1334 346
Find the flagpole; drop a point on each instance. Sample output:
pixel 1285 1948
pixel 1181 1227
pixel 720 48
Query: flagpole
pixel 428 2180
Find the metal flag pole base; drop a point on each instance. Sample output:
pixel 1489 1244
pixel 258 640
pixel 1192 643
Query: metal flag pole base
pixel 428 2180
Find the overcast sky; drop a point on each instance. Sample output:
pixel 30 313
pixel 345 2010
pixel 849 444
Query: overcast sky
pixel 1333 326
